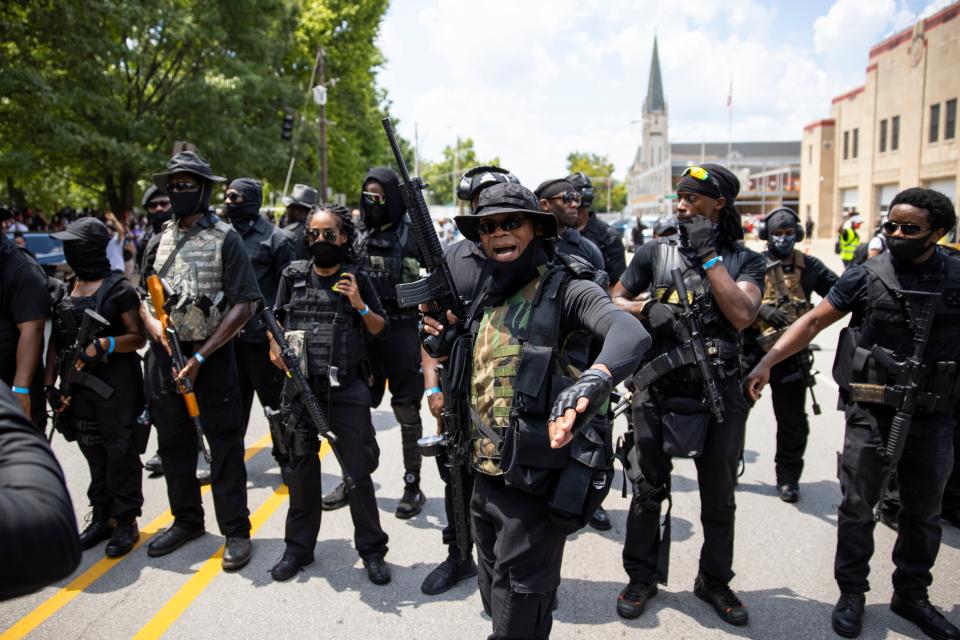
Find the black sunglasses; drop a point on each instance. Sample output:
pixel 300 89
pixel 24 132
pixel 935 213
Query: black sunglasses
pixel 182 187
pixel 327 234
pixel 512 223
pixel 909 229
pixel 569 197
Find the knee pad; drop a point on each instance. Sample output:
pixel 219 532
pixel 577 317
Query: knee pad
pixel 409 434
pixel 407 414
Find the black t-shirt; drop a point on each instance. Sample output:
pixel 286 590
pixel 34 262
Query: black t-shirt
pixel 23 297
pixel 239 281
pixel 357 391
pixel 741 263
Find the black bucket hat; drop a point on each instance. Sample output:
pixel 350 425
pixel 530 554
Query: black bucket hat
pixel 302 196
pixel 88 229
pixel 506 197
pixel 186 162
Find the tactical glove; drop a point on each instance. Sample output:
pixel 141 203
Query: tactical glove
pixel 660 318
pixel 594 385
pixel 700 234
pixel 54 397
pixel 99 356
pixel 773 316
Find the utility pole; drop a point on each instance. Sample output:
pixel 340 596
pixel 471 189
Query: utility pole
pixel 456 174
pixel 323 128
pixel 609 192
pixel 416 150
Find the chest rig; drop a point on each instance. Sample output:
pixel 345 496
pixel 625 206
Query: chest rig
pixel 381 254
pixel 332 329
pixel 886 337
pixel 784 291
pixel 195 273
pixel 68 311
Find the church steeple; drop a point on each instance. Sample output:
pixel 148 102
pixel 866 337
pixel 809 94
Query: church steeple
pixel 655 102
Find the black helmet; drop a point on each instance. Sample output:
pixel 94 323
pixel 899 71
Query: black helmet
pixel 582 184
pixel 480 177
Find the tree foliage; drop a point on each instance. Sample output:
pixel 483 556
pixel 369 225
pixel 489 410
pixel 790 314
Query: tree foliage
pixel 443 175
pixel 96 93
pixel 600 171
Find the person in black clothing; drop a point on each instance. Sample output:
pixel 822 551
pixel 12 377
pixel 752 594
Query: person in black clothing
pixel 522 513
pixel 24 307
pixel 104 424
pixel 37 523
pixel 270 251
pixel 884 319
pixel 591 227
pixel 801 275
pixel 726 282
pixel 559 197
pixel 299 203
pixel 335 306
pixel 387 252
pixel 214 292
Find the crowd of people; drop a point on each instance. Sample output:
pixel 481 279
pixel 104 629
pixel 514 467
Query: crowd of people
pixel 548 320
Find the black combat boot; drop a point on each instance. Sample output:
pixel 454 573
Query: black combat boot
pixel 724 601
pixel 99 529
pixel 633 599
pixel 412 501
pixel 236 553
pixel 172 539
pixel 288 566
pixel 154 465
pixel 377 570
pixel 923 614
pixel 448 573
pixel 124 537
pixel 335 499
pixel 788 491
pixel 847 618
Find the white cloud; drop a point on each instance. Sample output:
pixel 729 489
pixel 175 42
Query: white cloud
pixel 851 27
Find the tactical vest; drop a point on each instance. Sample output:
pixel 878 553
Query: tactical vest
pixel 794 307
pixel 325 316
pixel 381 254
pixel 68 311
pixel 195 275
pixel 887 324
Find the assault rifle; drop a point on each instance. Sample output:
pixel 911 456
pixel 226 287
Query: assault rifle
pixel 158 295
pixel 307 397
pixel 795 309
pixel 906 387
pixel 693 341
pixel 438 289
pixel 91 325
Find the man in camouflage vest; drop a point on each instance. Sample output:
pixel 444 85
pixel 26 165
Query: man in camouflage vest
pixel 212 294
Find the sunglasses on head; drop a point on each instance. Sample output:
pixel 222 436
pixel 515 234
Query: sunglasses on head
pixel 182 187
pixel 510 223
pixel 909 229
pixel 158 204
pixel 701 174
pixel 374 198
pixel 232 196
pixel 328 235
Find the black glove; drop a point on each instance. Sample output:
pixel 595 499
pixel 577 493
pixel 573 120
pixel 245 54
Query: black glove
pixel 700 234
pixel 54 397
pixel 660 318
pixel 773 316
pixel 595 385
pixel 96 358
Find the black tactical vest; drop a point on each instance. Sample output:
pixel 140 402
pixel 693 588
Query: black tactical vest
pixel 68 311
pixel 324 316
pixel 381 254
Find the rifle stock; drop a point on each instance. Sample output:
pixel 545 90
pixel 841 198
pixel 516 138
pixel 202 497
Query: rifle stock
pixel 184 386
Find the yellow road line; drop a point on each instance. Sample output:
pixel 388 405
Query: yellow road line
pixel 66 594
pixel 210 569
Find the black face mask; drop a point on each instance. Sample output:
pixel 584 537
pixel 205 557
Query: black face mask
pixel 186 204
pixel 157 219
pixel 375 215
pixel 88 260
pixel 326 254
pixel 242 215
pixel 907 249
pixel 782 245
pixel 510 277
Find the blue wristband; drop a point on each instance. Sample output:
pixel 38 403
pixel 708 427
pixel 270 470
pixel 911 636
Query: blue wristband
pixel 434 390
pixel 199 357
pixel 21 390
pixel 364 311
pixel 113 344
pixel 711 262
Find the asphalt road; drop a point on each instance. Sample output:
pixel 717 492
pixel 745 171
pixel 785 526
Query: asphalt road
pixel 784 561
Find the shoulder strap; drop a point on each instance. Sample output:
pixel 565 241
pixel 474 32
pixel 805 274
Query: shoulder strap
pixel 109 284
pixel 191 232
pixel 544 327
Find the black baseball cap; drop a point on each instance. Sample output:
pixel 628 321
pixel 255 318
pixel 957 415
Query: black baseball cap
pixel 88 229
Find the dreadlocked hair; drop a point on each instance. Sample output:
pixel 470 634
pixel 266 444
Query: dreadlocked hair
pixel 940 211
pixel 730 226
pixel 344 222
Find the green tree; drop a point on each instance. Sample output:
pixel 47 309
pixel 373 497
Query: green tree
pixel 101 104
pixel 600 171
pixel 442 175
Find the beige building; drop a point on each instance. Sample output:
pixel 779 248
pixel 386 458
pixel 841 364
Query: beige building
pixel 898 130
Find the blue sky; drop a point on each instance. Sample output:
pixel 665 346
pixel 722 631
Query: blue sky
pixel 531 81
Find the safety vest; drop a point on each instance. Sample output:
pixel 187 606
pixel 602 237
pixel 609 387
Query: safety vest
pixel 196 277
pixel 325 316
pixel 849 241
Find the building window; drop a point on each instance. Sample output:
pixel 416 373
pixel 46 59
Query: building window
pixel 883 136
pixel 846 145
pixel 894 133
pixel 950 120
pixel 934 122
pixel 856 141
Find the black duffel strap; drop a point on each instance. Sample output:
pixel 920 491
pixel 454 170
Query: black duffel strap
pixel 661 365
pixel 487 432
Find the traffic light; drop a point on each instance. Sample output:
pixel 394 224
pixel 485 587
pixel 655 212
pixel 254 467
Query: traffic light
pixel 287 130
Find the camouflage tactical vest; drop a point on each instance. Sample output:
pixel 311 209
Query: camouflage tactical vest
pixel 786 294
pixel 197 304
